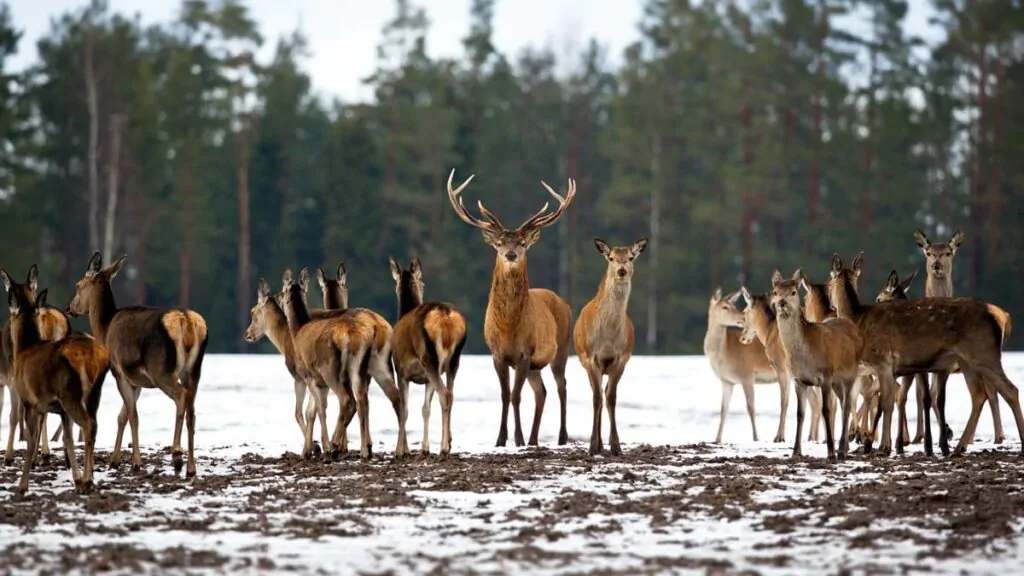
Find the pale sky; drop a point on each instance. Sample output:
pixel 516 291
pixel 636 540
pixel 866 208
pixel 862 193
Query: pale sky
pixel 343 34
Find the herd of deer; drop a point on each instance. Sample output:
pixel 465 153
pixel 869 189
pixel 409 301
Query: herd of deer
pixel 836 347
pixel 834 344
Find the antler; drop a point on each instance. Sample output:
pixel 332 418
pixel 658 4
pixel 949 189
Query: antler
pixel 541 219
pixel 488 223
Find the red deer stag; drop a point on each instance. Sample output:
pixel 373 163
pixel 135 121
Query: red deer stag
pixel 603 336
pixel 63 377
pixel 904 337
pixel 159 348
pixel 738 361
pixel 938 282
pixel 53 325
pixel 427 342
pixel 341 351
pixel 525 328
pixel 825 354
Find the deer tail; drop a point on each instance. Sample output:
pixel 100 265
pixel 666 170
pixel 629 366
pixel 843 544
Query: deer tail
pixel 1002 318
pixel 445 328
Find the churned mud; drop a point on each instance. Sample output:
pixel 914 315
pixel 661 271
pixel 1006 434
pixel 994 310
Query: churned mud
pixel 652 510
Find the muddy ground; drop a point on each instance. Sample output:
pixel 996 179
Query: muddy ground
pixel 932 511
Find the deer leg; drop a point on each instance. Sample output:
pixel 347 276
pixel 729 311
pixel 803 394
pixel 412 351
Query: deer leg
pixel 558 370
pixel 829 400
pixel 594 377
pixel 902 391
pixel 780 436
pixel 814 398
pixel 886 401
pixel 997 379
pixel 945 432
pixel 379 369
pixel 446 421
pixel 997 420
pixel 16 421
pixel 976 388
pixel 360 385
pixel 517 393
pixel 502 369
pixel 318 389
pixel 300 396
pixel 540 395
pixel 726 398
pixel 926 405
pixel 920 384
pixel 69 449
pixel 848 399
pixel 130 397
pixel 610 398
pixel 428 399
pixel 32 426
pixel 44 441
pixel 801 404
pixel 89 431
pixel 310 419
pixel 748 395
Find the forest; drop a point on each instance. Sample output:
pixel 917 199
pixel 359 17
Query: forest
pixel 738 137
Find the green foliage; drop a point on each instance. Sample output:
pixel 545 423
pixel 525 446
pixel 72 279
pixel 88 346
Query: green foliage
pixel 739 137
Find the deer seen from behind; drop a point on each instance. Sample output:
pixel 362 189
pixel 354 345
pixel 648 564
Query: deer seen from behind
pixel 904 337
pixel 53 325
pixel 526 329
pixel 160 348
pixel 63 377
pixel 823 354
pixel 939 257
pixel 427 342
pixel 334 290
pixel 603 336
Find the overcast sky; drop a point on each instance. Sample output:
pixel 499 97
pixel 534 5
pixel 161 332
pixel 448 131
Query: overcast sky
pixel 343 34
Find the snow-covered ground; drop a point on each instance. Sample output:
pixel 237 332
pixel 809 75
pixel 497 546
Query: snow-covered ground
pixel 669 504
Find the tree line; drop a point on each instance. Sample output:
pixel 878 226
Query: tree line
pixel 737 136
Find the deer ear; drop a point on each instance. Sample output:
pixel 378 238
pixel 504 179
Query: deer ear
pixel 286 277
pixel 602 247
pixel 732 298
pixel 530 236
pixel 6 279
pixel 416 268
pixel 776 277
pixel 262 291
pixel 33 278
pixel 858 261
pixel 805 284
pixel 94 265
pixel 956 240
pixel 893 280
pixel 304 279
pixel 396 270
pixel 114 268
pixel 321 277
pixel 342 274
pixel 639 246
pixel 908 280
pixel 921 240
pixel 41 298
pixel 13 305
pixel 746 295
pixel 837 265
pixel 798 275
pixel 717 294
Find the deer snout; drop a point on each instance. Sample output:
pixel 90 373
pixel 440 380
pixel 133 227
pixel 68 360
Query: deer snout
pixel 511 256
pixel 621 272
pixel 937 266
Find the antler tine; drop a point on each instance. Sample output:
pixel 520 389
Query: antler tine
pixel 540 219
pixel 489 216
pixel 460 208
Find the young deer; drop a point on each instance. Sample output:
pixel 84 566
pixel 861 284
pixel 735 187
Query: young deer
pixel 603 336
pixel 904 337
pixel 735 360
pixel 525 328
pixel 939 283
pixel 63 377
pixel 334 290
pixel 825 354
pixel 159 348
pixel 341 351
pixel 426 343
pixel 53 325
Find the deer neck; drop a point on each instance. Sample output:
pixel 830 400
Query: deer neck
pixel 763 324
pixel 275 322
pixel 510 294
pixel 101 312
pixel 847 303
pixel 408 299
pixel 24 333
pixel 816 304
pixel 297 313
pixel 936 288
pixel 335 299
pixel 792 334
pixel 612 300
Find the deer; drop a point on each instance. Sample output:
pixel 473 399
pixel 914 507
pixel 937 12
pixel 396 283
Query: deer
pixel 334 290
pixel 341 351
pixel 822 354
pixel 603 337
pixel 895 288
pixel 938 282
pixel 526 329
pixel 63 376
pixel 903 337
pixel 816 309
pixel 160 348
pixel 736 360
pixel 52 325
pixel 427 342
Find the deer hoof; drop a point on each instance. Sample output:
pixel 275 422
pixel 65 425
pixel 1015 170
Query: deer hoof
pixel 83 486
pixel 114 464
pixel 615 450
pixel 136 468
pixel 563 438
pixel 779 438
pixel 45 459
pixel 21 491
pixel 999 439
pixel 316 451
pixel 177 462
pixel 190 474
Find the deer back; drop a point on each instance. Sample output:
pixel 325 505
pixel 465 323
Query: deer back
pixel 161 340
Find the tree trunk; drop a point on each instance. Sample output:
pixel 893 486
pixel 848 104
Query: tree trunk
pixel 113 177
pixel 977 250
pixel 244 288
pixel 655 247
pixel 94 118
pixel 186 190
pixel 995 178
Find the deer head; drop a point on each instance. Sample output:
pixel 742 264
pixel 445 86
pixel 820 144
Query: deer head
pixel 939 256
pixel 334 290
pixel 722 310
pixel 93 283
pixel 785 297
pixel 511 245
pixel 257 324
pixel 620 258
pixel 291 291
pixel 754 305
pixel 408 283
pixel 28 289
pixel 895 288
